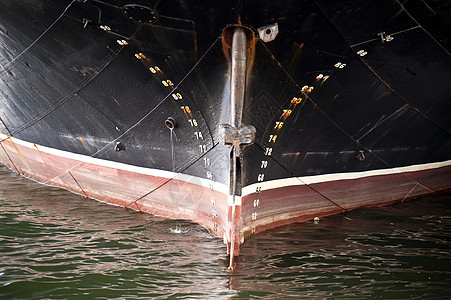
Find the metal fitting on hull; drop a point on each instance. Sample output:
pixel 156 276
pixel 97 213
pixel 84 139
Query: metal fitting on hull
pixel 238 77
pixel 235 133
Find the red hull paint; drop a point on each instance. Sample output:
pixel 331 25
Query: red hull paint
pixel 191 199
pixel 167 197
pixel 298 203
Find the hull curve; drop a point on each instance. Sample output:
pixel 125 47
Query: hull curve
pixel 241 118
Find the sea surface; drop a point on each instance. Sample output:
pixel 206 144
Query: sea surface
pixel 58 245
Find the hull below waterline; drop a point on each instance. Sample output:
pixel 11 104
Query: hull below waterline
pixel 238 116
pixel 162 193
pixel 262 206
pixel 301 199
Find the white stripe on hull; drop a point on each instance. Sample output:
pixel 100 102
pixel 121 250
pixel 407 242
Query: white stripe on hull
pixel 267 185
pixel 308 180
pixel 121 166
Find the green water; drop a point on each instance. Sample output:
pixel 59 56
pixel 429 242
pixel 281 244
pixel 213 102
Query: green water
pixel 57 245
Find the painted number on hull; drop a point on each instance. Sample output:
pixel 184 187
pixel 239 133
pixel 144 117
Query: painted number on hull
pixel 176 96
pixel 268 151
pixel 295 101
pixel 167 83
pixel 286 113
pixel 278 125
pixel 199 135
pixel 272 138
pixel 264 164
pixel 193 122
pixel 261 177
pixel 186 109
pixel 256 202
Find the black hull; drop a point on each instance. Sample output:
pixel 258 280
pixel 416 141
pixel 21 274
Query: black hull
pixel 342 89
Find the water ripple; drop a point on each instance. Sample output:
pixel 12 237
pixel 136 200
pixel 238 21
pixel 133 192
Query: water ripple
pixel 57 245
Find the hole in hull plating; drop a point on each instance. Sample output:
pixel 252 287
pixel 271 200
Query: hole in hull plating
pixel 227 35
pixel 119 147
pixel 170 123
pixel 268 33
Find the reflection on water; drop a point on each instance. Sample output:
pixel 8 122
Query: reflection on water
pixel 54 244
pixel 398 251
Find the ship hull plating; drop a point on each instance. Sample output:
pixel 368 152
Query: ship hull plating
pixel 241 118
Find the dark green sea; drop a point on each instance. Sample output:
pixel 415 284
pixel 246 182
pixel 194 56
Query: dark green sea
pixel 58 245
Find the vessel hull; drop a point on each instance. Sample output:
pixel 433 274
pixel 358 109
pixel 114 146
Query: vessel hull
pixel 241 117
pixel 178 196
